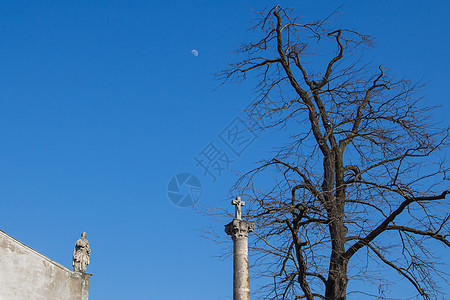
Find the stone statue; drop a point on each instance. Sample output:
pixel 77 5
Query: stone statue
pixel 81 254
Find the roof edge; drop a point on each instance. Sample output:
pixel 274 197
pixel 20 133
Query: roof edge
pixel 41 255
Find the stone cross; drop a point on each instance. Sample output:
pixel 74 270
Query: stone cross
pixel 238 207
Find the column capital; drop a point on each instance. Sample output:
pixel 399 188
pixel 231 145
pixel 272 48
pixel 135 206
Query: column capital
pixel 239 228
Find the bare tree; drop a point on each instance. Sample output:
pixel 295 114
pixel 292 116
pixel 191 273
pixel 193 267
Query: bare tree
pixel 359 188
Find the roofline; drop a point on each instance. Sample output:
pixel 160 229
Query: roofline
pixel 40 254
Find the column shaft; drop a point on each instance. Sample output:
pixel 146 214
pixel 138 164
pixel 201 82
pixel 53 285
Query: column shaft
pixel 241 280
pixel 239 230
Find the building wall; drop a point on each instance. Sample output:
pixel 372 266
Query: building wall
pixel 26 274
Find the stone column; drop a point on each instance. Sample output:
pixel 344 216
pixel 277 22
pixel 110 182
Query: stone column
pixel 239 229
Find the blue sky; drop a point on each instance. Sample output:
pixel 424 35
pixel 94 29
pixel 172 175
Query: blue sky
pixel 102 102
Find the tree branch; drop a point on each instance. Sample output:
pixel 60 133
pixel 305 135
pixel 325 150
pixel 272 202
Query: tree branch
pixel 382 227
pixel 432 234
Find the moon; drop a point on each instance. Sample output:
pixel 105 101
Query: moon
pixel 194 52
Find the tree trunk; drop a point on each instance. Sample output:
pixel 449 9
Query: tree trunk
pixel 336 285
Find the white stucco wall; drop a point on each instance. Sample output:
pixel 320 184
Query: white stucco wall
pixel 26 274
